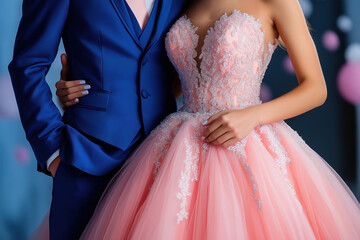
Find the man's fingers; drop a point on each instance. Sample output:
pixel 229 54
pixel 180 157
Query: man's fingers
pixel 65 67
pixel 73 96
pixel 73 83
pixel 59 84
pixel 64 61
pixel 63 75
pixel 70 103
pixel 61 92
pixel 68 84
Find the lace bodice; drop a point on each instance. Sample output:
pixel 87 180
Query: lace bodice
pixel 234 58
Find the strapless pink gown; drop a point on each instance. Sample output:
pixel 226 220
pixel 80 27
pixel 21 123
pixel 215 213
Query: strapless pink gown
pixel 270 185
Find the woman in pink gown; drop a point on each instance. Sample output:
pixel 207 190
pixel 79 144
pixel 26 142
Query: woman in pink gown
pixel 210 170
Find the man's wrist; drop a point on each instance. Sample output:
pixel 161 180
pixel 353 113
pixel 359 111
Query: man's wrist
pixel 51 159
pixel 54 165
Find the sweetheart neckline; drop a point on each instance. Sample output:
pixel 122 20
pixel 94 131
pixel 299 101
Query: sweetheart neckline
pixel 213 27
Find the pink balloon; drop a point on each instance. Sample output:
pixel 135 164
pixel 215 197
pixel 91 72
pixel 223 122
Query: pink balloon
pixel 22 155
pixel 288 67
pixel 8 106
pixel 331 40
pixel 265 93
pixel 348 82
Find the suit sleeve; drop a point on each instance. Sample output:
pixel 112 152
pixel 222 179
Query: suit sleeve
pixel 36 46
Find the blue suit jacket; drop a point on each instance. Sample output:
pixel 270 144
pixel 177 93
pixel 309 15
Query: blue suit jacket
pixel 130 78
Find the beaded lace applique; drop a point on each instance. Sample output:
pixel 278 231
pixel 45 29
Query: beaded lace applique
pixel 233 61
pixel 234 58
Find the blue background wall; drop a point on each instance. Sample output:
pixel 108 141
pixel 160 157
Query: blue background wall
pixel 25 194
pixel 330 130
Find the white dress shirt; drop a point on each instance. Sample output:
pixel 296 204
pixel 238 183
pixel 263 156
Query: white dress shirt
pixel 149 5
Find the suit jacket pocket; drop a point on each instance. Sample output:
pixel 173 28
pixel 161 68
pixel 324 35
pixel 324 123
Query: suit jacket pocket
pixel 96 100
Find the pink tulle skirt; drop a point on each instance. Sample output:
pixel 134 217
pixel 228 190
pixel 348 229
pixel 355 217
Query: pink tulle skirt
pixel 270 185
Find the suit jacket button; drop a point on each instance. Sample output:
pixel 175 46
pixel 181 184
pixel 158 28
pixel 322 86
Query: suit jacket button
pixel 144 62
pixel 145 94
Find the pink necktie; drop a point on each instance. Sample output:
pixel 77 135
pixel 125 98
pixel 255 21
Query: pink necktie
pixel 140 11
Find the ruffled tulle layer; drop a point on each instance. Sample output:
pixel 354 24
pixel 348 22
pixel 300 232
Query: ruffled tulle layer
pixel 270 185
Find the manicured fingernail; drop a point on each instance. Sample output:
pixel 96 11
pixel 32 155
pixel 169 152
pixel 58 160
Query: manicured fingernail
pixel 205 122
pixel 85 92
pixel 202 138
pixel 82 82
pixel 76 100
pixel 87 87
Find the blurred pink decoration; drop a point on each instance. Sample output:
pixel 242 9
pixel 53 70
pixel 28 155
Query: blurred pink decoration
pixel 22 155
pixel 331 40
pixel 265 93
pixel 8 106
pixel 288 67
pixel 348 82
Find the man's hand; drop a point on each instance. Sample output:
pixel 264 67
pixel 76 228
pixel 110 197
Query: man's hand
pixel 68 91
pixel 54 165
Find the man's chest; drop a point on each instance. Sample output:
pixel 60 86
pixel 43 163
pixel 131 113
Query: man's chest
pixel 141 9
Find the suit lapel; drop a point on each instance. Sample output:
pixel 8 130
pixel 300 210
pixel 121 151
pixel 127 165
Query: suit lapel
pixel 164 7
pixel 123 14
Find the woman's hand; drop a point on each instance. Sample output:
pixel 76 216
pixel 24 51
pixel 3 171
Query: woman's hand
pixel 69 92
pixel 228 127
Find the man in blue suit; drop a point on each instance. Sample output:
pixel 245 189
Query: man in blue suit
pixel 130 77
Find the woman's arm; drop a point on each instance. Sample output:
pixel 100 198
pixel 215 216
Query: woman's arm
pixel 311 92
pixel 227 127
